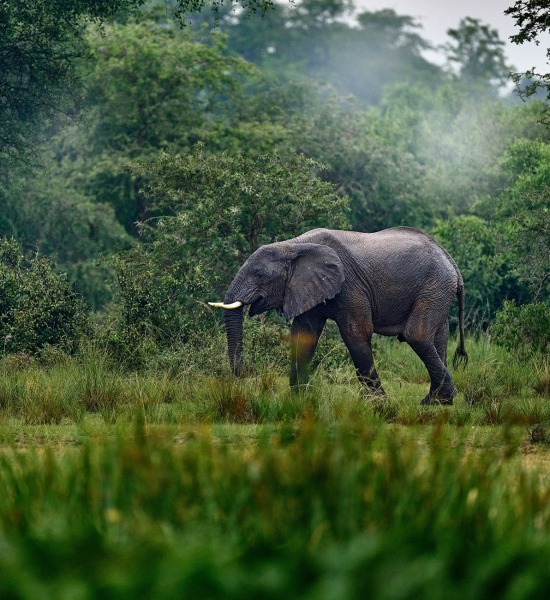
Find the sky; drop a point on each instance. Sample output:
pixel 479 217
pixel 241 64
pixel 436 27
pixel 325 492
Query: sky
pixel 436 16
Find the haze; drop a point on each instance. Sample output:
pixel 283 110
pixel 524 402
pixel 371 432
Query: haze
pixel 437 17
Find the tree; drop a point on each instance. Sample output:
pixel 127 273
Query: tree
pixel 313 41
pixel 223 205
pixel 478 53
pixel 40 47
pixel 525 208
pixel 211 213
pixel 388 29
pixel 150 86
pixel 533 19
pixel 365 162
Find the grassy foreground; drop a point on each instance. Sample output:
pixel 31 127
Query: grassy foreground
pixel 159 485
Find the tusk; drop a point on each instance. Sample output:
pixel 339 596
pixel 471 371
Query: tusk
pixel 227 306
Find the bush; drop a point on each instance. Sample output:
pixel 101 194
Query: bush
pixel 213 211
pixel 216 211
pixel 525 328
pixel 471 241
pixel 38 307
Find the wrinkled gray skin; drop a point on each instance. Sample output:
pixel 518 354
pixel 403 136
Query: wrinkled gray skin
pixel 397 282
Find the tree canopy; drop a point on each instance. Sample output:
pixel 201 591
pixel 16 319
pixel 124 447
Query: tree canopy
pixel 478 53
pixel 187 144
pixel 532 17
pixel 41 45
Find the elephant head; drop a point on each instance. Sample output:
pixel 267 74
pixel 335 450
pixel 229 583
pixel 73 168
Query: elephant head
pixel 290 277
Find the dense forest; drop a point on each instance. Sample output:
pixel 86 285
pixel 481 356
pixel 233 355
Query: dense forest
pixel 146 150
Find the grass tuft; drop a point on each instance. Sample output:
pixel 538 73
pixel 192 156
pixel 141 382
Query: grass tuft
pixel 542 378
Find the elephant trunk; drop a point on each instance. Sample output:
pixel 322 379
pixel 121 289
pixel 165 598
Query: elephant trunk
pixel 233 319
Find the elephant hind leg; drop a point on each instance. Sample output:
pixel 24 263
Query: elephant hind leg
pixel 427 332
pixel 441 341
pixel 432 350
pixel 442 388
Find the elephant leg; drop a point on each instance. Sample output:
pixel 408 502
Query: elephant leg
pixel 442 388
pixel 441 341
pixel 304 334
pixel 357 338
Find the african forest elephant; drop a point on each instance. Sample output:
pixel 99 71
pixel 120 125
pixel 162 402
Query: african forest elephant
pixel 397 282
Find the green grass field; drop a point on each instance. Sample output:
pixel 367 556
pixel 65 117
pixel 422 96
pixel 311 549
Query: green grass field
pixel 170 483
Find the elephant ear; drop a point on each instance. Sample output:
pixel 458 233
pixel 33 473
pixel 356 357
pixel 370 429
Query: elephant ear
pixel 316 274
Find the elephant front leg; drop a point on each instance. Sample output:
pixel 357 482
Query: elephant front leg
pixel 304 335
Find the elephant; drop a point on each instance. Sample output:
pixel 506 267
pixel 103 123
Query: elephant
pixel 395 282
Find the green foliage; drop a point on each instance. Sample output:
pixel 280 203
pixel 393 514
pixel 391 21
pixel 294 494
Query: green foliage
pixel 472 243
pixel 304 511
pixel 234 204
pixel 364 161
pixel 532 18
pixel 47 214
pixel 152 308
pixel 37 306
pixel 525 208
pixel 478 53
pixel 523 329
pixel 40 47
pixel 150 86
pixel 316 41
pixel 153 86
pixel 217 209
pixel 455 140
pixel 212 212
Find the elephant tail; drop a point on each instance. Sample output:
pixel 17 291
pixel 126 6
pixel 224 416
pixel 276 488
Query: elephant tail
pixel 461 356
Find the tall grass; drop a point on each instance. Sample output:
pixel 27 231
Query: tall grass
pixel 495 389
pixel 186 482
pixel 311 510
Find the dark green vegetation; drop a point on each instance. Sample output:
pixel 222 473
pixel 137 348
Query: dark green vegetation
pixel 185 155
pixel 323 512
pixel 160 485
pixel 140 164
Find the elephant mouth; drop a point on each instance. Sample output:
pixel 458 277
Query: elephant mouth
pixel 258 303
pixel 258 306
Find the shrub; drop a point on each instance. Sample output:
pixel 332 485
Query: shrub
pixel 38 307
pixel 525 328
pixel 216 211
pixel 471 241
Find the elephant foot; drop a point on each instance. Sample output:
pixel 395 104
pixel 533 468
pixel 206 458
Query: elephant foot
pixel 436 401
pixel 299 389
pixel 375 393
pixel 442 395
pixel 372 389
pixel 439 398
pixel 372 386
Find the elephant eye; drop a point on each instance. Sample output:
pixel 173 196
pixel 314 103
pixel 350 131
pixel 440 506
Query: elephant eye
pixel 265 272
